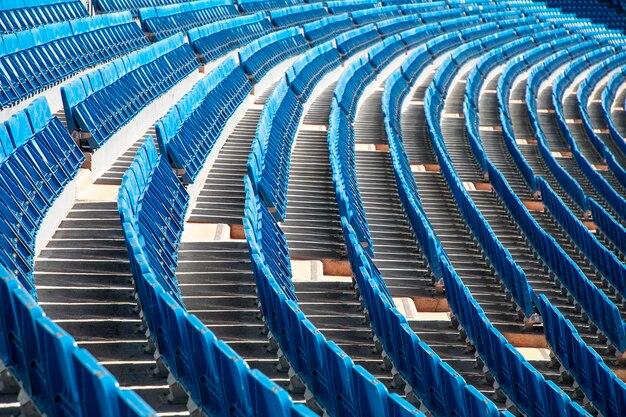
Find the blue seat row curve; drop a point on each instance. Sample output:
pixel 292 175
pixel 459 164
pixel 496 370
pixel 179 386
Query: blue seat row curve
pixel 297 15
pixel 17 15
pixel 353 86
pixel 275 134
pixel 217 38
pixel 259 56
pixel 600 385
pixel 188 132
pixel 340 387
pixel 214 40
pixel 599 308
pixel 35 59
pixel 152 205
pixel 98 104
pixel 253 6
pixel 559 210
pixel 613 230
pixel 608 97
pixel 162 22
pixel 518 379
pixel 590 82
pixel 336 7
pixel 38 161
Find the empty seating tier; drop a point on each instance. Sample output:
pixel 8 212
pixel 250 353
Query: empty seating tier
pixel 295 208
pixel 162 22
pixel 17 15
pixel 35 59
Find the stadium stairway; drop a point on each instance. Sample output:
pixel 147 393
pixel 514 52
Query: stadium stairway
pixel 312 225
pixel 9 404
pixel 84 285
pixel 221 198
pixel 315 239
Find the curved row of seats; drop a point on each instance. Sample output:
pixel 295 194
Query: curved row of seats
pixel 152 204
pixel 162 22
pixel 574 191
pixel 609 226
pixel 602 143
pixel 39 159
pixel 98 104
pixel 615 201
pixel 306 63
pixel 268 246
pixel 35 59
pixel 514 211
pixel 608 97
pixel 17 15
pixel 246 6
